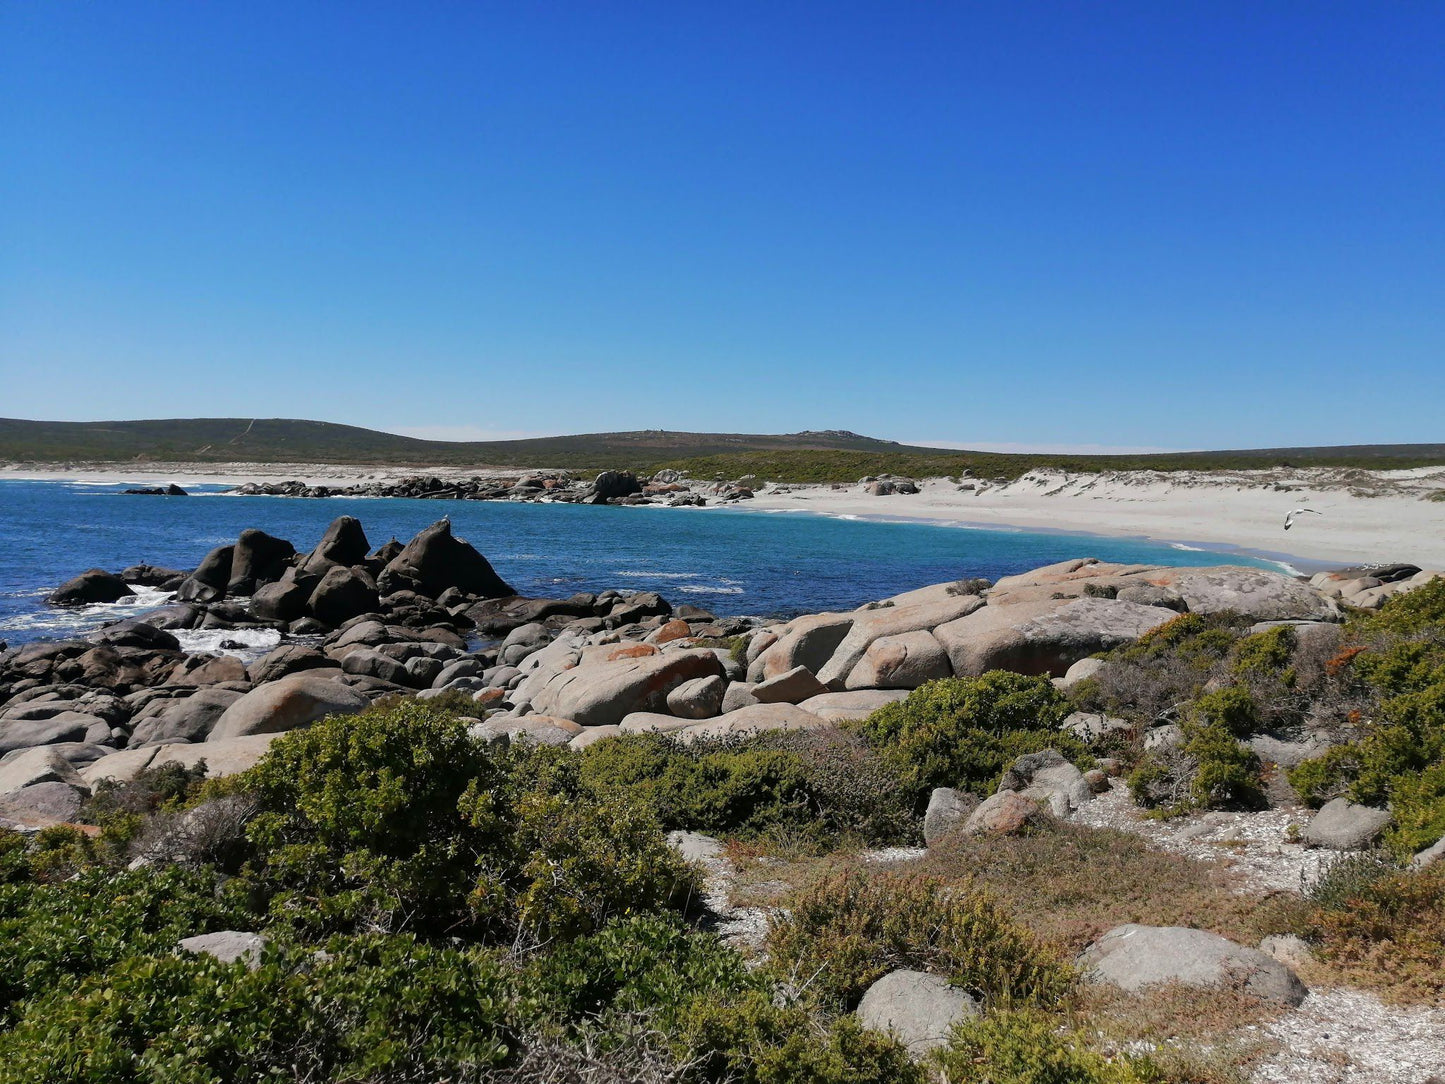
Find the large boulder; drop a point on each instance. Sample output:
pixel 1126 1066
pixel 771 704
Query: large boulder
pixel 916 612
pixel 611 484
pixel 1259 593
pixel 257 558
pixel 88 588
pixel 1135 958
pixel 920 1009
pixel 28 767
pixel 810 641
pixel 700 698
pixel 905 661
pixel 282 601
pixel 287 659
pixel 1005 812
pixel 790 687
pixel 181 719
pixel 1341 825
pixel 140 634
pixel 1043 636
pixel 292 702
pixel 67 726
pixel 208 582
pixel 344 543
pixel 602 693
pixel 434 560
pixel 343 593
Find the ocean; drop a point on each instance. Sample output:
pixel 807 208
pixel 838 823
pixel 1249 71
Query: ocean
pixel 729 560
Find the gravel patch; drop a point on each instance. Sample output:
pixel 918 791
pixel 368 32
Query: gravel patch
pixel 1345 1036
pixel 1253 844
pixel 741 927
pixel 894 854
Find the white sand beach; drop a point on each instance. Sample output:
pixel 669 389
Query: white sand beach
pixel 1366 516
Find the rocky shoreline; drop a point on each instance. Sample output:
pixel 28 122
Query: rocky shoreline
pixel 668 487
pixel 433 618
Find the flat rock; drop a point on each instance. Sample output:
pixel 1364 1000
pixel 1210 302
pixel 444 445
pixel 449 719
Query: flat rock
pixel 50 801
pixel 1341 825
pixel 1135 958
pixel 851 706
pixel 598 694
pixel 592 735
pixel 752 720
pixel 291 702
pixel 228 946
pixel 791 687
pixel 531 729
pixel 652 722
pixel 920 1009
pixel 229 757
pixel 694 846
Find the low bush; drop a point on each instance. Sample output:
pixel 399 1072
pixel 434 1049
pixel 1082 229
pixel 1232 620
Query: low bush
pixel 1049 881
pixel 373 1009
pixel 1023 1047
pixel 820 787
pixel 83 925
pixel 845 932
pixel 1211 769
pixel 963 732
pixel 1383 928
pixel 395 819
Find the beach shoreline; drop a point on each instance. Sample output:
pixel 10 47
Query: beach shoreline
pixel 1368 517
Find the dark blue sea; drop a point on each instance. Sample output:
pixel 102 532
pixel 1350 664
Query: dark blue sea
pixel 729 560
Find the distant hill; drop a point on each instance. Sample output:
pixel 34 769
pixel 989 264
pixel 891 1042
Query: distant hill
pixel 277 440
pixel 815 456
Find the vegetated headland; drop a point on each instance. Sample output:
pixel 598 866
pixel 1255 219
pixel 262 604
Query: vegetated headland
pixel 812 456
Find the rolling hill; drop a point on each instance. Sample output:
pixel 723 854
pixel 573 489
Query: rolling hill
pixel 815 456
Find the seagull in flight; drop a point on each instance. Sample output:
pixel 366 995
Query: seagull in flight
pixel 1289 519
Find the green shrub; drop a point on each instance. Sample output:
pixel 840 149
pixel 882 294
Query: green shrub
pixel 1265 654
pixel 717 1015
pixel 963 732
pixel 1400 761
pixel 1211 769
pixel 845 932
pixel 53 932
pixel 396 819
pixel 1028 1047
pixel 820 786
pixel 1421 611
pixel 378 1009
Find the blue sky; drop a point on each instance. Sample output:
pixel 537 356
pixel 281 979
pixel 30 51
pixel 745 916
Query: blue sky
pixel 1138 225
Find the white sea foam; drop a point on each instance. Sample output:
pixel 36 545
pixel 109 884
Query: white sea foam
pixel 659 575
pixel 253 643
pixel 697 589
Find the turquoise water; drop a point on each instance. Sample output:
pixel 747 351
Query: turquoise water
pixel 728 560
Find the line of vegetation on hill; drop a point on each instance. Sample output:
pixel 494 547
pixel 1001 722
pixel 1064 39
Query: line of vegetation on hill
pixel 826 456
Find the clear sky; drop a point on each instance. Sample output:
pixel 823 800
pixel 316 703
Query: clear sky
pixel 1151 224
